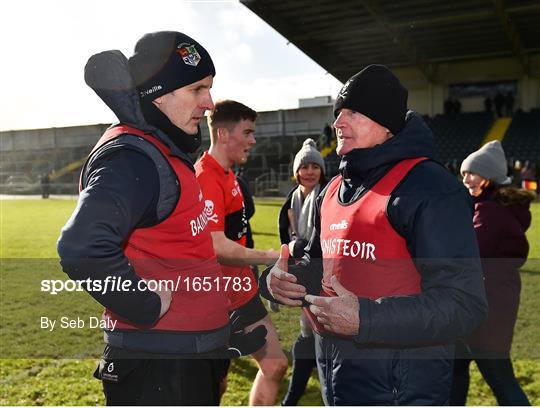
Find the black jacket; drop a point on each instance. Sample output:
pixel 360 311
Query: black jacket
pixel 123 189
pixel 402 353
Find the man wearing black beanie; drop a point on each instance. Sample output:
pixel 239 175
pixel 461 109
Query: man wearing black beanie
pixel 141 220
pixel 167 68
pixel 400 277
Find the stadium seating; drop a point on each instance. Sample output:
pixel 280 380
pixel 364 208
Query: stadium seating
pixel 458 135
pixel 332 161
pixel 35 163
pixel 522 140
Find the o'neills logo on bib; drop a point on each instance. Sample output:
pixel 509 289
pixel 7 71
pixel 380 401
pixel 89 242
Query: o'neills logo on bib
pixel 347 247
pixel 339 226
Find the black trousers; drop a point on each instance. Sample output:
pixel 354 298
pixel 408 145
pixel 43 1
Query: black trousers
pixel 497 370
pixel 304 361
pixel 158 381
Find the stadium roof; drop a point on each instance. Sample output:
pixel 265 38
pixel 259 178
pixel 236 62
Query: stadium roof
pixel 344 35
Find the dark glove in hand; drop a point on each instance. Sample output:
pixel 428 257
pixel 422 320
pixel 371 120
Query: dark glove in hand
pixel 242 344
pixel 309 276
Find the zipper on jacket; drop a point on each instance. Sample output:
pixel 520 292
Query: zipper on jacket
pixel 394 393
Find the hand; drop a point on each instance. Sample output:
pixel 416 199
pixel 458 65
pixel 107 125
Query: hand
pixel 242 344
pixel 281 284
pixel 291 247
pixel 165 296
pixel 337 314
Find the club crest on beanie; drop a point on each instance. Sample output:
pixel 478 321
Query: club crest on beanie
pixel 376 93
pixel 167 60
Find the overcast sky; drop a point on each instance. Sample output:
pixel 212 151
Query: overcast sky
pixel 45 44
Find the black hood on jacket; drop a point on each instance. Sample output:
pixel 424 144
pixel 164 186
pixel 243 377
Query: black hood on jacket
pixel 107 73
pixel 415 140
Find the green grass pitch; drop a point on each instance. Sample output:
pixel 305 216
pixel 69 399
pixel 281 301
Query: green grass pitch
pixel 55 368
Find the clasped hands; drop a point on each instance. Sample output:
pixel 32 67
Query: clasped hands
pixel 338 314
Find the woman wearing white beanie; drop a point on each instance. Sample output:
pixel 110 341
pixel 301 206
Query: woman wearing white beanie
pixel 501 217
pixel 295 228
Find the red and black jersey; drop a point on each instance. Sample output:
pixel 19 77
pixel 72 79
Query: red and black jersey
pixel 224 207
pixel 179 247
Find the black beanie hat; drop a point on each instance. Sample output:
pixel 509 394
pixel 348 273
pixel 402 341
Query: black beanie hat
pixel 167 60
pixel 376 93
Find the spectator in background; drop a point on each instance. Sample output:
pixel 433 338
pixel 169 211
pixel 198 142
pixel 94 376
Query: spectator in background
pixel 510 168
pixel 295 229
pixel 528 176
pixel 528 171
pixel 509 103
pixel 488 103
pixel 499 103
pixel 448 106
pixel 516 173
pixel 45 185
pixel 457 106
pixel 451 167
pixel 501 217
pixel 328 134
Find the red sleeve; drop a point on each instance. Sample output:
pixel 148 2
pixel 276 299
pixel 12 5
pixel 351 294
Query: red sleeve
pixel 214 201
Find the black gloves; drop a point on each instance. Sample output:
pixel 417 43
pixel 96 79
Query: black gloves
pixel 308 274
pixel 242 344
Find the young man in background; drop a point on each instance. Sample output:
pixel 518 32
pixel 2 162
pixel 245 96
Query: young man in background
pixel 232 128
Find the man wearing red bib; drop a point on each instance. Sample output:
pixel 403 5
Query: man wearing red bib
pixel 232 128
pixel 392 276
pixel 140 221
